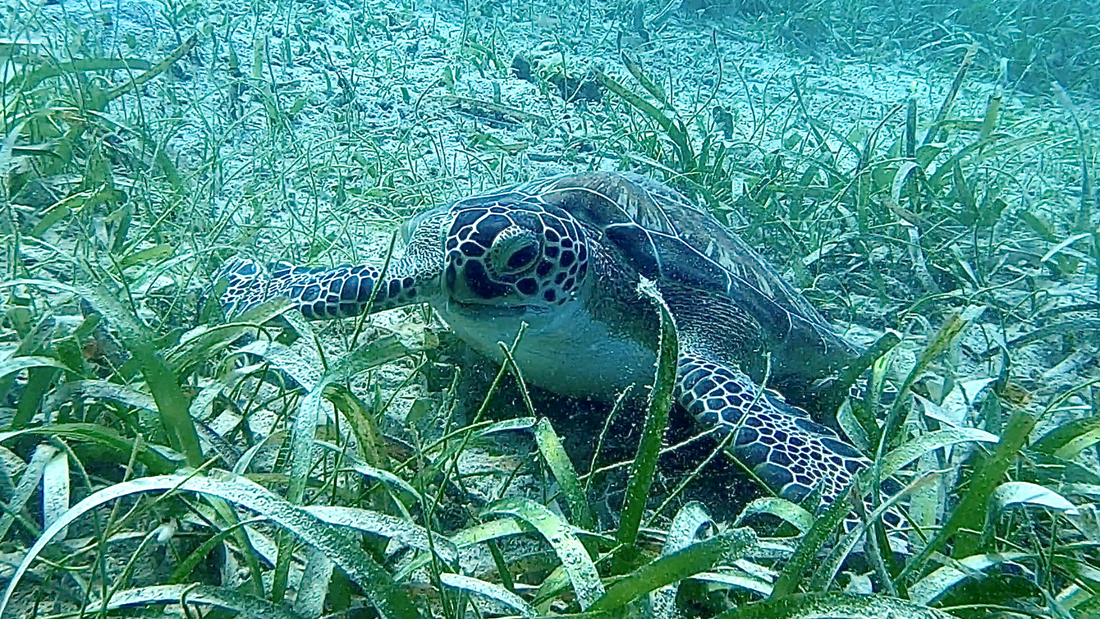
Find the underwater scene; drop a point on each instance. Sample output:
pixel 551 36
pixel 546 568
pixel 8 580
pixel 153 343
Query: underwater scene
pixel 550 308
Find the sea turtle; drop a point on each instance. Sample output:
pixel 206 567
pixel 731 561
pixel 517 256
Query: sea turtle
pixel 565 255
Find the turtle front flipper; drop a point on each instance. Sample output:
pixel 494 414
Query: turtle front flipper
pixel 344 291
pixel 779 443
pixel 318 293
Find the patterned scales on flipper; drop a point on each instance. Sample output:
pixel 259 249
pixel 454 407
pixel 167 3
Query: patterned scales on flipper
pixel 779 443
pixel 335 293
pixel 564 256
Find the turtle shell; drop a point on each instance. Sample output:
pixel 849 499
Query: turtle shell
pixel 666 237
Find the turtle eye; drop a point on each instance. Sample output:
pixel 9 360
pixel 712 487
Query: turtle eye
pixel 515 250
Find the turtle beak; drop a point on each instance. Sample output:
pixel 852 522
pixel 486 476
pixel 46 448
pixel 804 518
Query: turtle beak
pixel 471 291
pixel 489 311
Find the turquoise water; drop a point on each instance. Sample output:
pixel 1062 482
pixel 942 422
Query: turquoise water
pixel 915 179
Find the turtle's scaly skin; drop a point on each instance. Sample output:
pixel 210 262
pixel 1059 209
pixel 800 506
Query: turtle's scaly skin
pixel 565 255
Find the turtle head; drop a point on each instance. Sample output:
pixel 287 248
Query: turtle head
pixel 519 256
